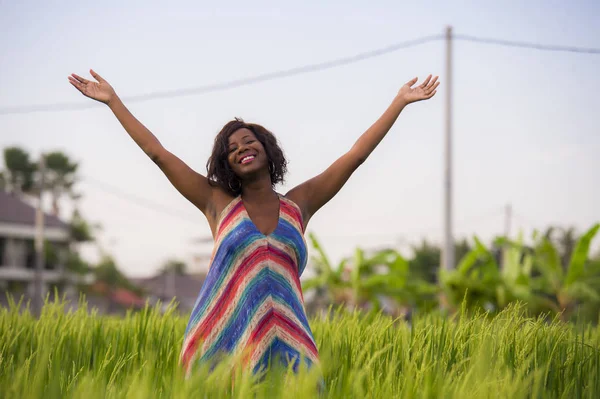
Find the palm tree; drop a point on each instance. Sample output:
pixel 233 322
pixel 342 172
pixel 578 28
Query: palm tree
pixel 566 244
pixel 60 177
pixel 19 171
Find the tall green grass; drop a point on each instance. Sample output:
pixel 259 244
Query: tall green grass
pixel 84 355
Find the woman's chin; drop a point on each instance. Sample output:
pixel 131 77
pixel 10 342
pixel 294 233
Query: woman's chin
pixel 250 170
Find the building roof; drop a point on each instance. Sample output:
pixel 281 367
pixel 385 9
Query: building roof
pixel 13 210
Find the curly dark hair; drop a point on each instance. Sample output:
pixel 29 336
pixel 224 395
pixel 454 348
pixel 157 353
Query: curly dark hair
pixel 219 171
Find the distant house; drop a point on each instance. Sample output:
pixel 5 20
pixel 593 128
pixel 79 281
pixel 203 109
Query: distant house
pixel 164 287
pixel 17 250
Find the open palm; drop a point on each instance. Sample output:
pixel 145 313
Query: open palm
pixel 100 91
pixel 424 91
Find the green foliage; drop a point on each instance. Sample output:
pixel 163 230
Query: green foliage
pixel 425 261
pixel 83 355
pixel 367 279
pixel 175 265
pixel 19 172
pixel 60 176
pixel 107 272
pixel 75 264
pixel 81 230
pixel 534 275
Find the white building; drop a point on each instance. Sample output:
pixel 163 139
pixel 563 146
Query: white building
pixel 17 250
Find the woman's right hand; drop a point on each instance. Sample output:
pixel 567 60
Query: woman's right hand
pixel 100 91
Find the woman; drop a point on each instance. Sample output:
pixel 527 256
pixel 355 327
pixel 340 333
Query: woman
pixel 251 302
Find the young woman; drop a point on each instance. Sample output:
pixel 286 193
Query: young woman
pixel 251 302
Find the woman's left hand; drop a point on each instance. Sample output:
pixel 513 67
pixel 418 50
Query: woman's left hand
pixel 424 91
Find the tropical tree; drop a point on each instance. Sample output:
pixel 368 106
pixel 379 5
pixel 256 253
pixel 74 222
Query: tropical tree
pixel 176 266
pixel 385 274
pixel 425 261
pixel 569 285
pixel 328 282
pixel 564 239
pixel 474 280
pixel 60 176
pixel 18 175
pixel 480 281
pixel 368 280
pixel 107 272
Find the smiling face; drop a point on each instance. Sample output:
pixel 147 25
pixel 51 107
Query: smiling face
pixel 245 154
pixel 244 151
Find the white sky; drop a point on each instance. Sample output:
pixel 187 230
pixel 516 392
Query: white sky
pixel 525 122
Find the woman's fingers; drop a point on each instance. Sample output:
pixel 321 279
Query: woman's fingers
pixel 432 83
pixel 80 86
pixel 96 76
pixel 79 78
pixel 411 82
pixel 429 87
pixel 432 87
pixel 426 82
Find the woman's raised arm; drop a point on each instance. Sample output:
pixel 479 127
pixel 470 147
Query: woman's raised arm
pixel 316 192
pixel 189 183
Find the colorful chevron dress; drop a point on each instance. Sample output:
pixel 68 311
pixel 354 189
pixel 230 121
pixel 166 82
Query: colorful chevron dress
pixel 251 303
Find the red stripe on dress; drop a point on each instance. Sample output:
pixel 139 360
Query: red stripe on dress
pixel 293 212
pixel 273 317
pixel 230 290
pixel 237 208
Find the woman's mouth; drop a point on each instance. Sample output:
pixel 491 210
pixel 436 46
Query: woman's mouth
pixel 247 159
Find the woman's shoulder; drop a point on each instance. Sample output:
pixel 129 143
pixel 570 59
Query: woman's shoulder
pixel 220 200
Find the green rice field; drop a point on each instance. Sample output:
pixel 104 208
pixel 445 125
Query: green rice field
pixel 83 355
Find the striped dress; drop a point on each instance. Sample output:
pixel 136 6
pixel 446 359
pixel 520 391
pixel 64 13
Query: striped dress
pixel 251 303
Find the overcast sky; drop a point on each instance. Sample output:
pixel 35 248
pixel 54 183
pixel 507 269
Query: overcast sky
pixel 525 122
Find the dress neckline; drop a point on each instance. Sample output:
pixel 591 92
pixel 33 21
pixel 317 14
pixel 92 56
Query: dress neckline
pixel 254 224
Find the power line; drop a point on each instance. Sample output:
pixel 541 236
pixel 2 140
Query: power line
pixel 231 84
pixel 534 46
pixel 143 202
pixel 57 107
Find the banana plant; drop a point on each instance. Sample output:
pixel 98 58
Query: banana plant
pixel 328 282
pixel 517 276
pixel 386 274
pixel 366 279
pixel 578 284
pixel 476 278
pixel 480 280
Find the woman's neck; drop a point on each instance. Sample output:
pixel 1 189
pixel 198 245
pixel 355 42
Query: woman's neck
pixel 258 189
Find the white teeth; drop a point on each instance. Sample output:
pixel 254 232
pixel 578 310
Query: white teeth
pixel 247 158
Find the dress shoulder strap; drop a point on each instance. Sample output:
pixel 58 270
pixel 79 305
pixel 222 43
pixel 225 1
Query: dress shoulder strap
pixel 291 212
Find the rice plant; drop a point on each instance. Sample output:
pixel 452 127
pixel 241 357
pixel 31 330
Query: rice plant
pixel 84 355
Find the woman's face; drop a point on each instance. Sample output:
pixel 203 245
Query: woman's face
pixel 246 154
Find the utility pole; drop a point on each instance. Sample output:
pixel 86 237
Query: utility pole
pixel 507 219
pixel 448 251
pixel 38 300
